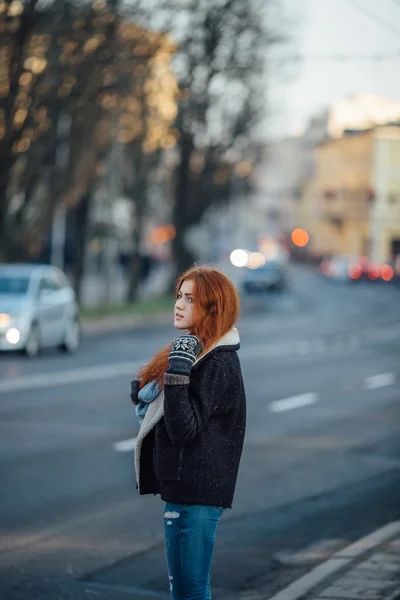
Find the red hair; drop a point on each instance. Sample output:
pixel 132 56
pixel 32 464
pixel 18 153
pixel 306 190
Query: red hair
pixel 216 311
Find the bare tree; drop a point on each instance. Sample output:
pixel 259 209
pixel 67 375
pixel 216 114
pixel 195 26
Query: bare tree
pixel 51 71
pixel 220 63
pixel 17 23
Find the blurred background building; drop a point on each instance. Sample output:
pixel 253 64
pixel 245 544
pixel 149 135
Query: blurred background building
pixel 348 205
pixel 131 148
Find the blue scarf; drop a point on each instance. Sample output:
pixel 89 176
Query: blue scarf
pixel 146 395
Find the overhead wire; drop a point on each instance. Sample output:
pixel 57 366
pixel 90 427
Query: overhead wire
pixel 337 57
pixel 376 18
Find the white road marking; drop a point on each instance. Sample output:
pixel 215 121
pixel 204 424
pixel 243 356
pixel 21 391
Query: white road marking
pixel 101 372
pixel 303 347
pixel 125 445
pixel 318 345
pixel 287 349
pixel 43 380
pixel 293 402
pixel 354 342
pixel 378 381
pixel 98 372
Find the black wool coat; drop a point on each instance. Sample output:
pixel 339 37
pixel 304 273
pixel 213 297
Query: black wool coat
pixel 192 454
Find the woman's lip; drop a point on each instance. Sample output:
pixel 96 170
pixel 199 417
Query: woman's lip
pixel 178 316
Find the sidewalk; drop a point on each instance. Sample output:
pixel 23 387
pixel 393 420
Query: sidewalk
pixel 369 569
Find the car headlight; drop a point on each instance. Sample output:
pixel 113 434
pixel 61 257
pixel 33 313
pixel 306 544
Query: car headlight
pixel 5 320
pixel 13 335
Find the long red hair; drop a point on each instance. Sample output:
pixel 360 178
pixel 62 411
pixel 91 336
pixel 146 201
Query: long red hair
pixel 216 311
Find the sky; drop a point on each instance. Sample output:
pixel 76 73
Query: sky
pixel 330 27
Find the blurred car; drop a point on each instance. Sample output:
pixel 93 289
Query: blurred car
pixel 38 309
pixel 265 278
pixel 345 268
pixel 352 268
pixel 396 268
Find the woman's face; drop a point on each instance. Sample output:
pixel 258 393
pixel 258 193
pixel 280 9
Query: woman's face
pixel 184 313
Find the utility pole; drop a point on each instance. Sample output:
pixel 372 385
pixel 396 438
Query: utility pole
pixel 110 263
pixel 58 230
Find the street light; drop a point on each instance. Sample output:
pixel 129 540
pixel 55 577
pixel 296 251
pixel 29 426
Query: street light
pixel 300 237
pixel 239 257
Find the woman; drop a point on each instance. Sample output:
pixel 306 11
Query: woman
pixel 192 402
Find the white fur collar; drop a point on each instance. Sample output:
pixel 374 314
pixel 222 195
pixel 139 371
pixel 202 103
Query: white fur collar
pixel 229 339
pixel 155 410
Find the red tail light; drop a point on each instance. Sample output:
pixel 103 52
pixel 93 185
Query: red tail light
pixel 387 272
pixel 374 272
pixel 355 271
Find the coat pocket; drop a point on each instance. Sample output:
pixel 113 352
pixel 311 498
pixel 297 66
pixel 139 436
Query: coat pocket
pixel 167 457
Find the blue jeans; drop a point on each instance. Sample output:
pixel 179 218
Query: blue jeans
pixel 189 543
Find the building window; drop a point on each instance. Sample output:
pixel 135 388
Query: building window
pixel 329 194
pixel 336 221
pixel 370 195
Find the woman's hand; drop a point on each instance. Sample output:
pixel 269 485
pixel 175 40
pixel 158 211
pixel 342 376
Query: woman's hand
pixel 135 386
pixel 184 351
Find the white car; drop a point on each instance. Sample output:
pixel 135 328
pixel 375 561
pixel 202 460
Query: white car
pixel 38 309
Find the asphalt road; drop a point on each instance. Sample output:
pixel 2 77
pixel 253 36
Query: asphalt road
pixel 320 467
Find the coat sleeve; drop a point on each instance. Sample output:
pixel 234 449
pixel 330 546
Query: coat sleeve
pixel 186 415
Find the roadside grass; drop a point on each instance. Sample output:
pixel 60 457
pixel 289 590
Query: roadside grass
pixel 145 307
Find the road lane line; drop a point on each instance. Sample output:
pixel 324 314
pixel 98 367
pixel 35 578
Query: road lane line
pixel 42 380
pixel 379 381
pixel 303 347
pixel 108 371
pixel 293 402
pixel 354 342
pixel 318 345
pixel 125 445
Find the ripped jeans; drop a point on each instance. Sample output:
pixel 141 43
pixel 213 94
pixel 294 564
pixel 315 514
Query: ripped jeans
pixel 189 543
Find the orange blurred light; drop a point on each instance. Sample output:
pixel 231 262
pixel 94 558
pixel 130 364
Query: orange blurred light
pixel 5 320
pixel 355 271
pixel 162 234
pixel 387 272
pixel 300 237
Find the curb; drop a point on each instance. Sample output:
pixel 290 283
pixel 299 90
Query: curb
pixel 114 324
pixel 344 557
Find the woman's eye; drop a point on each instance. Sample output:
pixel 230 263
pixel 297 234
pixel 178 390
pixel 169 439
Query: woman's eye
pixel 190 299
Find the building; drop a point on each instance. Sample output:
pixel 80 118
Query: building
pixel 286 166
pixel 352 203
pixel 385 208
pixel 338 195
pixel 286 177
